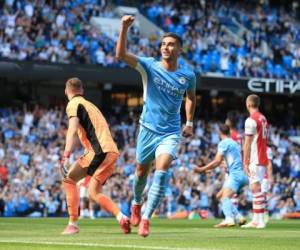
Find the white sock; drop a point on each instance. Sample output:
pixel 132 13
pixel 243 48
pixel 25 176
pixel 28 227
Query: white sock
pixel 229 220
pixel 120 216
pixel 261 219
pixel 144 217
pixel 73 223
pixel 255 218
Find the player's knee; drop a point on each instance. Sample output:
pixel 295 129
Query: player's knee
pixel 69 180
pixel 227 193
pixel 256 187
pixel 92 193
pixel 141 171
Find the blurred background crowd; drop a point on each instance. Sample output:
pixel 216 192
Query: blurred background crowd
pixel 231 38
pixel 32 142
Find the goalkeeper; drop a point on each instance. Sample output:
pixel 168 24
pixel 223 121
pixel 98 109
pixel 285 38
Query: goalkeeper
pixel 98 161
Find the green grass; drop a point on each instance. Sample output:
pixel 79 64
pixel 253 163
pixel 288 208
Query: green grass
pixel 25 233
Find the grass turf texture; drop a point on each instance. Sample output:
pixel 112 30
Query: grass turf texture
pixel 26 233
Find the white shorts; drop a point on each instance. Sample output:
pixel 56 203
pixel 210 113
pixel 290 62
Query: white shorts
pixel 257 173
pixel 83 192
pixel 265 185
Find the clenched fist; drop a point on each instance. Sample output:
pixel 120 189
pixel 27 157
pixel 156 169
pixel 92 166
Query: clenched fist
pixel 127 20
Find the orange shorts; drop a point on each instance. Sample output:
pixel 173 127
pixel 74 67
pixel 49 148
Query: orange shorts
pixel 100 166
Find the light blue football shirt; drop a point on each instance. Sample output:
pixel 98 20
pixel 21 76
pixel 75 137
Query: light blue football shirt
pixel 163 94
pixel 231 152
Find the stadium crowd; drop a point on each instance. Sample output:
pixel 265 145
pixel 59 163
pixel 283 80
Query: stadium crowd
pixel 61 32
pixel 270 46
pixel 31 144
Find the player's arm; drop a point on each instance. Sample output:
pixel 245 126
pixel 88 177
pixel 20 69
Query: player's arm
pixel 250 130
pixel 71 133
pixel 247 152
pixel 70 140
pixel 213 164
pixel 121 50
pixel 190 105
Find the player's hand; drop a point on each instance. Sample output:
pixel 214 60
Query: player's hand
pixel 198 169
pixel 187 131
pixel 271 181
pixel 127 20
pixel 65 164
pixel 246 169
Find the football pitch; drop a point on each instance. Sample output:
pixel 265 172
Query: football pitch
pixel 26 233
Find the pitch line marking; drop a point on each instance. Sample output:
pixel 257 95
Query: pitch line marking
pixel 101 245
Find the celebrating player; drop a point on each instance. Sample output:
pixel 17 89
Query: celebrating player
pixel 229 151
pixel 231 122
pixel 255 158
pixel 164 83
pixel 98 161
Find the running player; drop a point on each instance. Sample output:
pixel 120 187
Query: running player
pixel 165 83
pixel 229 151
pixel 98 161
pixel 231 122
pixel 255 158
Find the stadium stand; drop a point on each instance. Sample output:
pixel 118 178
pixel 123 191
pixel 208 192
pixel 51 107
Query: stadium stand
pixel 61 32
pixel 31 143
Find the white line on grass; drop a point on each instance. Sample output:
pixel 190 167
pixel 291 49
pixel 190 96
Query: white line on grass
pixel 101 245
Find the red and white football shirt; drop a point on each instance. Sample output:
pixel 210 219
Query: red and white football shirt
pixel 236 136
pixel 257 126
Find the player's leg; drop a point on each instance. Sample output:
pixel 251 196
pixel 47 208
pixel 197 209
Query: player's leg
pixel 91 208
pixel 75 174
pixel 83 195
pixel 165 153
pixel 145 154
pixel 258 202
pixel 139 183
pixel 156 191
pixel 239 181
pixel 227 206
pixel 100 175
pixel 265 187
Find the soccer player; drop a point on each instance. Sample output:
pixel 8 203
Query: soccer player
pixel 231 122
pixel 98 161
pixel 164 84
pixel 230 151
pixel 255 158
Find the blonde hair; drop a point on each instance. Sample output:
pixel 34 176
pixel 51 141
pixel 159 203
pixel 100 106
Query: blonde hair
pixel 254 100
pixel 74 84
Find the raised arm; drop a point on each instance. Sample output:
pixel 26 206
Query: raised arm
pixel 121 51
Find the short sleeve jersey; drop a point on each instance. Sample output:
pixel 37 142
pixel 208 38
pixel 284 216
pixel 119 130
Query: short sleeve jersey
pixel 93 131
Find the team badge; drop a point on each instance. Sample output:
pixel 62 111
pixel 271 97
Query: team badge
pixel 182 80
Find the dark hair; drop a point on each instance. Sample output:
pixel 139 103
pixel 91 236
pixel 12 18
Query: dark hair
pixel 254 100
pixel 174 35
pixel 232 117
pixel 224 129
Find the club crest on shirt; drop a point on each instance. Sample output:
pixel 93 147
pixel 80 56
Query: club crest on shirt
pixel 182 80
